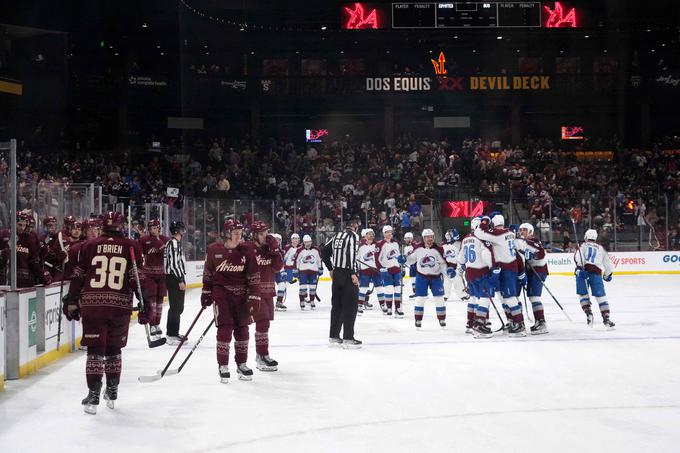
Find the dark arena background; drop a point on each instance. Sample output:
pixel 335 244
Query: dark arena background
pixel 510 172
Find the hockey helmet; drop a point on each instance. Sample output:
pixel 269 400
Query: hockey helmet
pixel 278 237
pixel 49 220
pixel 454 234
pixel 69 220
pixel 153 223
pixel 408 235
pixel 591 235
pixel 363 233
pixel 527 226
pixel 474 223
pixel 427 232
pixel 294 236
pixel 258 226
pixel 513 227
pixel 498 220
pixel 368 231
pixel 113 221
pixel 231 225
pixel 387 229
pixel 177 226
pixel 306 239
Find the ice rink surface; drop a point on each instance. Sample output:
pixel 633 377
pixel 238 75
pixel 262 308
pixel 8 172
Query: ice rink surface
pixel 574 389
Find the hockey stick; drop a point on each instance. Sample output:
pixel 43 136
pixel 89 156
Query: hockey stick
pixel 493 304
pixel 549 292
pixel 135 271
pixel 526 308
pixel 160 373
pixel 177 370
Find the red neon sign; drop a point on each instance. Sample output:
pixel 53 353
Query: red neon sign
pixel 357 19
pixel 558 17
pixel 572 133
pixel 457 209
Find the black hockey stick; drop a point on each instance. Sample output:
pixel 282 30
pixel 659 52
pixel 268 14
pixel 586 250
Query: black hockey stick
pixel 61 287
pixel 135 271
pixel 549 292
pixel 159 374
pixel 526 308
pixel 177 370
pixel 493 304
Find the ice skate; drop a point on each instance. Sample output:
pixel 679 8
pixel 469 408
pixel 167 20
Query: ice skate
pixel 369 306
pixel 517 330
pixel 608 323
pixel 442 323
pixel 398 313
pixel 539 328
pixel 244 373
pixel 111 395
pixel 419 324
pixel 91 401
pixel 175 340
pixel 351 344
pixel 335 342
pixel 224 374
pixel 590 319
pixel 302 305
pixel 280 306
pixel 156 333
pixel 481 330
pixel 312 305
pixel 389 312
pixel 266 363
pixel 383 307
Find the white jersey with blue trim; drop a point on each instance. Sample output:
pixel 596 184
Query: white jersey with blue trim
pixel 289 256
pixel 308 259
pixel 366 254
pixel 596 258
pixel 429 261
pixel 502 242
pixel 451 250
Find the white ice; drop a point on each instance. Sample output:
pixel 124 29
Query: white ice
pixel 575 389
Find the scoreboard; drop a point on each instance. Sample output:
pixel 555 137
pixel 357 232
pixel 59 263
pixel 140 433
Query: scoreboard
pixel 466 15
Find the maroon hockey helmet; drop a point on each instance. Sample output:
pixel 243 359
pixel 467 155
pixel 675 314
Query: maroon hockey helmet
pixel 94 221
pixel 154 223
pixel 113 221
pixel 23 216
pixel 49 220
pixel 231 225
pixel 69 220
pixel 259 226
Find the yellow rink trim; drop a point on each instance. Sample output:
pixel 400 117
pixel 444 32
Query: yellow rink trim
pixel 11 87
pixel 34 365
pixel 2 382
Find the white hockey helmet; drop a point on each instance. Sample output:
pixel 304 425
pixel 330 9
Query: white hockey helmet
pixel 527 226
pixel 386 228
pixel 408 235
pixel 591 235
pixel 307 239
pixel 277 236
pixel 427 232
pixel 294 236
pixel 363 232
pixel 368 231
pixel 498 220
pixel 474 223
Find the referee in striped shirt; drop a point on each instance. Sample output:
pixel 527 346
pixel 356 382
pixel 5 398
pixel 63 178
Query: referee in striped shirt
pixel 175 273
pixel 340 255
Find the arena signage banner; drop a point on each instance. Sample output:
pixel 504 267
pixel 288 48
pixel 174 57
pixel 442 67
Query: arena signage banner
pixel 144 81
pixel 403 84
pixel 624 263
pixel 458 83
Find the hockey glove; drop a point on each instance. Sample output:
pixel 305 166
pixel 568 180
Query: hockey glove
pixel 206 298
pixel 319 272
pixel 607 278
pixel 47 278
pixel 272 242
pixel 522 278
pixel 461 269
pixel 145 315
pixel 401 259
pixel 295 273
pixel 450 272
pixel 70 308
pixel 253 304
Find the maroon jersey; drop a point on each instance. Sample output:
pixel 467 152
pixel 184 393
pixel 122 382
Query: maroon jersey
pixel 234 269
pixel 269 262
pixel 28 260
pixel 154 250
pixel 45 242
pixel 72 261
pixel 103 278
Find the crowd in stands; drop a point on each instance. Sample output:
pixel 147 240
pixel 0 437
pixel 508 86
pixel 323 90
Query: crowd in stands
pixel 317 187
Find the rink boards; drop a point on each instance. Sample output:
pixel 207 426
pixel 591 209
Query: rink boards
pixel 625 263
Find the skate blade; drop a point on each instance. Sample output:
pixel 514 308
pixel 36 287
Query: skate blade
pixel 469 330
pixel 351 346
pixel 110 403
pixel 482 335
pixel 242 377
pixel 90 409
pixel 539 332
pixel 224 380
pixel 517 335
pixel 266 368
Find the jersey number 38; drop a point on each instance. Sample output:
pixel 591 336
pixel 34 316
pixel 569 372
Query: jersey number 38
pixel 108 272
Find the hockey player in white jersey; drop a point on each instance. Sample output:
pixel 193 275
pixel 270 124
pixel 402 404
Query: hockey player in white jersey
pixel 388 260
pixel 451 248
pixel 368 271
pixel 502 243
pixel 593 265
pixel 476 259
pixel 289 271
pixel 310 267
pixel 429 260
pixel 536 265
pixel 409 244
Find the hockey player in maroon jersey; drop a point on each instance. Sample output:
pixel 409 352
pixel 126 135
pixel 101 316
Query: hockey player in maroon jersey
pixel 59 249
pixel 93 227
pixel 269 261
pixel 231 281
pixel 29 270
pixel 153 245
pixel 72 244
pixel 101 293
pixel 46 240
